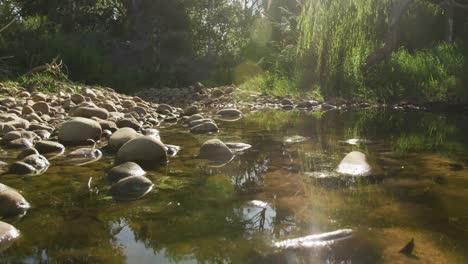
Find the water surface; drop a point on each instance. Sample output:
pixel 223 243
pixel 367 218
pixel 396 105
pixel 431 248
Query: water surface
pixel 203 214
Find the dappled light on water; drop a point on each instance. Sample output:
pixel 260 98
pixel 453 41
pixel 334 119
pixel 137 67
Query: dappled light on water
pixel 281 198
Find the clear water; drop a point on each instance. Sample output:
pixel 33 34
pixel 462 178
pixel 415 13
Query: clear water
pixel 202 214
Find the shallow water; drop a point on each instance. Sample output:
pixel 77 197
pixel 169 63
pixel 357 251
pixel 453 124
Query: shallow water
pixel 203 214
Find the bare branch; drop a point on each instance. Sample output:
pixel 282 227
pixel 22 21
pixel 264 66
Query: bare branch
pixel 458 3
pixel 391 40
pixel 5 27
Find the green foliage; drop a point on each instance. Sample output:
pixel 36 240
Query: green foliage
pixel 336 37
pixel 281 47
pixel 430 75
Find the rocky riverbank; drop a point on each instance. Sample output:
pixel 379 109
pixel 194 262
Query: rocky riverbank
pixel 232 96
pixel 36 127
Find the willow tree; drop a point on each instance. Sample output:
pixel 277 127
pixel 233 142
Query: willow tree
pixel 336 36
pixel 341 39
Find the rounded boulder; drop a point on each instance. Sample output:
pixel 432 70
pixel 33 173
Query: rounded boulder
pixel 145 151
pixel 12 203
pixel 122 136
pixel 215 150
pixel 8 235
pixel 78 130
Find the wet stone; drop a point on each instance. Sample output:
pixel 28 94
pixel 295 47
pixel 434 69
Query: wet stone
pixel 215 150
pixel 21 168
pixel 144 150
pixel 355 164
pixel 12 203
pixel 27 152
pixel 131 188
pixel 125 170
pixel 19 143
pixel 45 147
pixel 8 235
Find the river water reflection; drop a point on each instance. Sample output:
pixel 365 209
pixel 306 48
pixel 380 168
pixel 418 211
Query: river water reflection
pixel 280 188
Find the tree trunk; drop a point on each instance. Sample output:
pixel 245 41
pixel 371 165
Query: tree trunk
pixel 449 29
pixel 391 39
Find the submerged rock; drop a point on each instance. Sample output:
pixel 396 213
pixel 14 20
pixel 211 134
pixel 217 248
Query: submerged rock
pixel 124 170
pixel 8 235
pixel 12 203
pixel 355 164
pixel 78 130
pixel 215 150
pixel 83 156
pixel 131 188
pixel 146 151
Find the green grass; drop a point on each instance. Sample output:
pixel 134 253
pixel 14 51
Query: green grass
pixel 276 85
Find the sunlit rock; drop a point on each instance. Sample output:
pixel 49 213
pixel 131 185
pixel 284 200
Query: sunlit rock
pixel 144 151
pixel 88 112
pixel 8 235
pixel 78 130
pixel 12 203
pixel 355 164
pixel 294 139
pixel 215 150
pixel 122 136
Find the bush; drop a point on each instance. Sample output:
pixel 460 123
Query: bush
pixel 430 75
